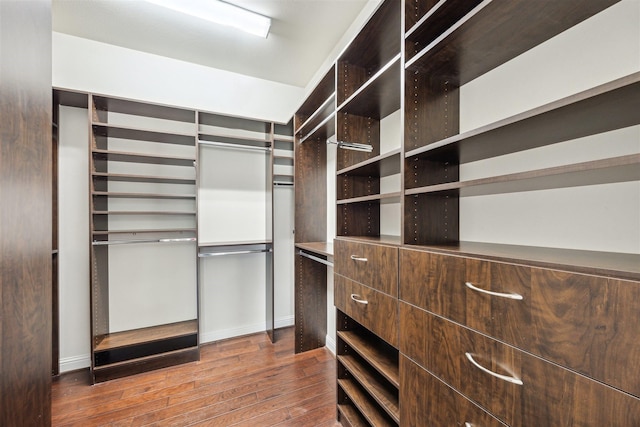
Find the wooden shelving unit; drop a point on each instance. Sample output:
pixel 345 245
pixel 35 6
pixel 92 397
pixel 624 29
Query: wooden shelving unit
pixel 118 190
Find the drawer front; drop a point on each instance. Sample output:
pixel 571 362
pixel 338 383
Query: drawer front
pixel 487 296
pixel 440 346
pixel 589 324
pixel 548 396
pixel 372 265
pixel 372 309
pixel 428 402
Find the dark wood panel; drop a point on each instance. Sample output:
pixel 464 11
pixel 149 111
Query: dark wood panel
pixel 382 357
pixel 549 394
pixel 351 186
pixel 428 402
pixel 439 346
pixel 588 324
pixel 25 213
pixel 360 130
pixel 323 90
pixel 358 219
pixel 414 11
pixel 310 191
pixel 104 105
pixel 611 264
pixel 431 109
pixel 379 271
pixel 322 248
pixel 310 304
pixel 361 400
pixel 379 314
pixel 431 219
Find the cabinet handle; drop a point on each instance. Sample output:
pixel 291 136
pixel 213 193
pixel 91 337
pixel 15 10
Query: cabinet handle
pixel 495 294
pixel 357 258
pixel 506 378
pixel 357 298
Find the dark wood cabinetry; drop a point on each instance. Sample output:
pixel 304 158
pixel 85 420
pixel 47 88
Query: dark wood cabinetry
pixel 25 213
pixel 486 333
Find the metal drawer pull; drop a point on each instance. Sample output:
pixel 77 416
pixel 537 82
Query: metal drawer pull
pixel 495 294
pixel 357 258
pixel 357 298
pixel 506 378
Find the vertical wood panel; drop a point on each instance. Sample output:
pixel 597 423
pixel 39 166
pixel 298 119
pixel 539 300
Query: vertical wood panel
pixel 25 213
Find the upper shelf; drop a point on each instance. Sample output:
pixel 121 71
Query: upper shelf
pixel 610 106
pixel 103 105
pixel 121 156
pixel 379 96
pixel 468 48
pixel 374 47
pixel 322 248
pixel 318 117
pixel 324 90
pixel 126 132
pixel 142 178
pixel 604 171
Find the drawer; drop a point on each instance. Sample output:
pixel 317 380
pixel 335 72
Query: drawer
pixel 490 297
pixel 373 265
pixel 589 324
pixel 428 402
pixel 548 395
pixel 374 310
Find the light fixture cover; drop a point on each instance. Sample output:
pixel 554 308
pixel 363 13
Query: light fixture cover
pixel 222 13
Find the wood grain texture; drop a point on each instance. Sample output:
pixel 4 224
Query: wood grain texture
pixel 25 213
pixel 310 304
pixel 245 381
pixel 379 315
pixel 379 271
pixel 550 394
pixel 310 191
pixel 428 402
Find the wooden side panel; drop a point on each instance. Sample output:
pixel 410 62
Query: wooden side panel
pixel 310 304
pixel 431 219
pixel 311 191
pixel 25 213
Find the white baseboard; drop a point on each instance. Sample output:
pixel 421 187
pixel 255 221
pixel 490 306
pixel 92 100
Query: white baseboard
pixel 222 334
pixel 330 343
pixel 73 363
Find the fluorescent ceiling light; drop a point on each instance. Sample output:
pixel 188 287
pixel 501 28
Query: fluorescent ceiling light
pixel 221 13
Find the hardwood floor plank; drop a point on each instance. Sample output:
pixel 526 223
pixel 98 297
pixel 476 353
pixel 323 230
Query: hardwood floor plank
pixel 245 381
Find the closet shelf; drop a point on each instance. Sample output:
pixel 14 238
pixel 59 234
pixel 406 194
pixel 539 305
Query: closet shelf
pixel 379 96
pixel 283 138
pixel 121 156
pixel 468 48
pixel 325 110
pixel 321 248
pixel 318 98
pixel 435 21
pixel 145 335
pixel 379 360
pixel 382 239
pixel 323 130
pixel 105 105
pixel 352 416
pixel 234 248
pixel 143 213
pixel 382 198
pixel 117 195
pixel 382 165
pixel 361 400
pixel 190 231
pixel 142 178
pixel 610 106
pixel 609 264
pixel 125 132
pixel 604 171
pixel 382 395
pixel 233 138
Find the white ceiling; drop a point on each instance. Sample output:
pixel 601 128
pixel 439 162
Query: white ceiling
pixel 303 34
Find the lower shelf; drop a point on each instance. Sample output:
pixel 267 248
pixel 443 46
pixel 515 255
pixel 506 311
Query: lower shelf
pixel 350 417
pixel 140 350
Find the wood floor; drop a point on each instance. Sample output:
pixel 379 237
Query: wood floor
pixel 244 381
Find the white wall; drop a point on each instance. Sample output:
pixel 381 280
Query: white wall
pixel 89 66
pixel 597 217
pixel 73 226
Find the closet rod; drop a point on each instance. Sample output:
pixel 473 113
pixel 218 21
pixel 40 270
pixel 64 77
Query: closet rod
pixel 233 146
pixel 283 183
pixel 315 258
pixel 128 242
pixel 253 251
